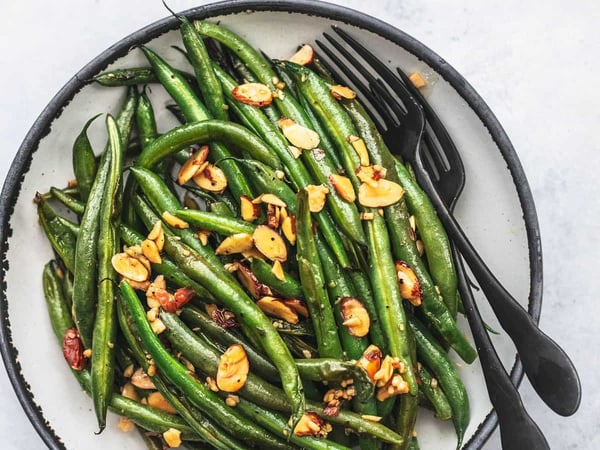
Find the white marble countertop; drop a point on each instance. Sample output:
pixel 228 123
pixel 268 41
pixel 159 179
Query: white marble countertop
pixel 535 63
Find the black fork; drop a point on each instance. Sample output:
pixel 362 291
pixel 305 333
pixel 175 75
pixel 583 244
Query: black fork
pixel 440 172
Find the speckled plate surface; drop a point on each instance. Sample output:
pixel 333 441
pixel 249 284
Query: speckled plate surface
pixel 496 208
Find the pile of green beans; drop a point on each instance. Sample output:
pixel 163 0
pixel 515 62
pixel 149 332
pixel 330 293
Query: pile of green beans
pixel 315 365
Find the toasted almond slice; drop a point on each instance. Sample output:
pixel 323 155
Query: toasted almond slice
pixel 192 165
pixel 233 369
pixel 270 243
pixel 355 316
pixel 288 228
pixel 203 236
pixel 343 186
pixel 128 391
pixel 360 148
pixel 137 285
pixel 251 283
pixel 172 437
pixel 126 425
pixel 150 251
pixel 236 243
pixel 130 267
pixel 297 306
pixel 141 380
pixel 175 221
pixel 395 386
pixel 410 287
pixel 340 92
pixel 309 425
pixel 370 360
pixel 316 197
pixel 253 253
pixel 275 307
pixel 386 193
pixel 273 217
pixel 211 179
pixel 299 136
pixel 248 209
pixel 418 80
pixel 158 401
pixel 371 174
pixel 295 151
pixel 254 94
pixel 270 199
pixel 135 251
pixel 277 270
pixel 156 231
pixel 304 56
pixel 385 372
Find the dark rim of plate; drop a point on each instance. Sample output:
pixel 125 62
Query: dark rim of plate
pixel 41 128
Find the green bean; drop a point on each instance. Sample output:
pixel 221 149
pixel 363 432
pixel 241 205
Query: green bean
pixel 104 332
pixel 126 116
pixel 205 220
pixel 84 161
pixel 433 392
pixel 145 120
pixel 179 376
pixel 132 76
pixel 61 320
pixel 70 202
pixel 60 235
pixel 289 287
pixel 313 283
pixel 434 355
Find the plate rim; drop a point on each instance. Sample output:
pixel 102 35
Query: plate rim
pixel 42 126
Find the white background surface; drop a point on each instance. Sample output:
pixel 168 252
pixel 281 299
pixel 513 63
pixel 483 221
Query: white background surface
pixel 535 63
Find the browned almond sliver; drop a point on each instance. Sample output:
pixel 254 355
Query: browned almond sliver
pixel 172 437
pixel 304 56
pixel 130 267
pixel 158 401
pixel 317 195
pixel 371 174
pixel 195 163
pixel 288 228
pixel 175 221
pixel 370 360
pixel 128 391
pixel 233 369
pixel 277 308
pixel 156 231
pixel 248 209
pixel 418 80
pixel 360 148
pixel 211 179
pixel 270 243
pixel 340 92
pixel 386 193
pixel 297 305
pixel 236 243
pixel 410 287
pixel 343 186
pixel 150 251
pixel 310 425
pixel 250 282
pixel 277 270
pixel 299 136
pixel 270 199
pixel 254 94
pixel 141 380
pixel 355 316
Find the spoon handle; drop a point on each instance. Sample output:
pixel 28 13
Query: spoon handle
pixel 549 369
pixel 517 428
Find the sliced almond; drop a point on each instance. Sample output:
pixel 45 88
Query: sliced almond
pixel 360 148
pixel 156 231
pixel 233 369
pixel 211 179
pixel 126 425
pixel 340 92
pixel 297 306
pixel 386 193
pixel 343 186
pixel 150 251
pixel 270 243
pixel 248 209
pixel 310 425
pixel 203 236
pixel 288 228
pixel 299 136
pixel 370 360
pixel 304 56
pixel 172 437
pixel 317 195
pixel 137 285
pixel 295 151
pixel 254 94
pixel 395 386
pixel 410 287
pixel 128 391
pixel 355 315
pixel 141 380
pixel 236 243
pixel 418 80
pixel 273 215
pixel 385 372
pixel 158 401
pixel 277 270
pixel 159 284
pixel 277 308
pixel 175 221
pixel 254 287
pixel 371 174
pixel 130 267
pixel 195 163
pixel 270 199
pixel 253 253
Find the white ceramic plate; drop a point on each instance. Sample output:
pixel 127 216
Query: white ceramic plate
pixel 496 208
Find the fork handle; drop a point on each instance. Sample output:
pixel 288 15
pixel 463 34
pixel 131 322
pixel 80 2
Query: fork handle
pixel 517 428
pixel 549 369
